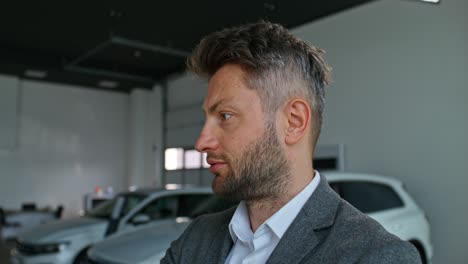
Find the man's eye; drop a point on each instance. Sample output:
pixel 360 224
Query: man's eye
pixel 226 116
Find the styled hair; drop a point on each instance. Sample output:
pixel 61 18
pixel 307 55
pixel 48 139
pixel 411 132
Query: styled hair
pixel 278 65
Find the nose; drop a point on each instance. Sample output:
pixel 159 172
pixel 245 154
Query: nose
pixel 207 140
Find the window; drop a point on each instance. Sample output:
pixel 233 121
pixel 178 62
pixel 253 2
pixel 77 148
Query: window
pixel 131 200
pixel 205 164
pixel 188 202
pixel 322 164
pixel 165 207
pixel 180 158
pixel 368 197
pixel 174 158
pixel 179 205
pixel 326 157
pixel 192 159
pixel 105 209
pixel 212 205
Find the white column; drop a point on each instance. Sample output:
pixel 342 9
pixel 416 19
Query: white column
pixel 9 92
pixel 158 139
pixel 138 141
pixel 146 137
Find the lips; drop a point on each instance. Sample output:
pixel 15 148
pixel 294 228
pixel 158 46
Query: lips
pixel 215 167
pixel 215 164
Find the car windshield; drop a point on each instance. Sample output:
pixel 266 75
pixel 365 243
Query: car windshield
pixel 212 205
pixel 105 209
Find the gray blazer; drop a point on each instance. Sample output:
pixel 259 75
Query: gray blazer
pixel 326 230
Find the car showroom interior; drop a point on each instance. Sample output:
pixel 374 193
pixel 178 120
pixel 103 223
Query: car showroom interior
pixel 100 122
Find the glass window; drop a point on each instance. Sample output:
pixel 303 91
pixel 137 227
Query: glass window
pixel 174 158
pixel 192 159
pixel 179 158
pixel 369 197
pixel 184 205
pixel 105 209
pixel 131 200
pixel 188 202
pixel 164 207
pixel 336 187
pixel 205 164
pixel 212 205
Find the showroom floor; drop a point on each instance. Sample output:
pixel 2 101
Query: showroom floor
pixel 5 248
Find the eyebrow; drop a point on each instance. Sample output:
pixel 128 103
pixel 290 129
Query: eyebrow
pixel 214 106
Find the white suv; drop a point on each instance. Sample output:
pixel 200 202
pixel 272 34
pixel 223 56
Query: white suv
pixel 66 241
pixel 382 198
pixel 386 200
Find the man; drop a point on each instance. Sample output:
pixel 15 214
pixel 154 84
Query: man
pixel 263 113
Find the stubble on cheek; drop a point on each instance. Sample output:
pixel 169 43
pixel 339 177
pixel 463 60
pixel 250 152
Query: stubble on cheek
pixel 221 178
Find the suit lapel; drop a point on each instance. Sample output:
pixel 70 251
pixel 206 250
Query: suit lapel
pixel 296 242
pixel 300 239
pixel 222 240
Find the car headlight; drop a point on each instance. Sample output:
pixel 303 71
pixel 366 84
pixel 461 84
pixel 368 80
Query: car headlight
pixel 45 248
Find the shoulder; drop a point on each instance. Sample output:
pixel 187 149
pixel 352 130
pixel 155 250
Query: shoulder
pixel 368 240
pixel 198 237
pixel 391 251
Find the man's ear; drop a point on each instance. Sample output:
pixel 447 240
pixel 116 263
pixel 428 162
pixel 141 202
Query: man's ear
pixel 298 120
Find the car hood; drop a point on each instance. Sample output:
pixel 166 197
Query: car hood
pixel 139 244
pixel 60 229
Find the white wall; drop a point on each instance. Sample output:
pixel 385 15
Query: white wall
pixel 70 139
pixel 398 103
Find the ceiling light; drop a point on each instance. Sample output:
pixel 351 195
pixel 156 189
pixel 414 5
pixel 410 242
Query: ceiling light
pixel 108 84
pixel 35 74
pixel 431 1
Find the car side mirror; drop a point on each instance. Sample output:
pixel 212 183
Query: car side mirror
pixel 140 219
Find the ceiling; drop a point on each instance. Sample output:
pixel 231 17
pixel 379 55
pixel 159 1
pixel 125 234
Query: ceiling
pixel 118 45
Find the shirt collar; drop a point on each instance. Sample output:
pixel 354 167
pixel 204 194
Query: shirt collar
pixel 239 227
pixel 279 222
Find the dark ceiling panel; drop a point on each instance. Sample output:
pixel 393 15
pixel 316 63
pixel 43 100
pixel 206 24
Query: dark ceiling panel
pixel 51 35
pixel 135 61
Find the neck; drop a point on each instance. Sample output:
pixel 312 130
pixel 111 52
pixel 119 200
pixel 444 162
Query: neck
pixel 260 210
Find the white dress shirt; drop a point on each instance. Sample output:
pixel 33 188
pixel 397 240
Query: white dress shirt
pixel 249 247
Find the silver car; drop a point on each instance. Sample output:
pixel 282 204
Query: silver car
pixel 149 243
pixel 67 241
pixel 382 198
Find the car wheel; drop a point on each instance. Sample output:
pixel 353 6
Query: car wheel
pixel 82 258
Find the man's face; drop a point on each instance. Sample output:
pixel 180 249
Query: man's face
pixel 242 146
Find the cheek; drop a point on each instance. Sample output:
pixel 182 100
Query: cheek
pixel 231 143
pixel 237 138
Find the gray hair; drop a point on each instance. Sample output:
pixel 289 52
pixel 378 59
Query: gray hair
pixel 279 66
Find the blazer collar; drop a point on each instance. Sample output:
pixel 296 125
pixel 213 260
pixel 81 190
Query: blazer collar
pixel 318 213
pixel 222 240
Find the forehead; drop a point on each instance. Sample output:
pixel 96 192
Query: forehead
pixel 228 85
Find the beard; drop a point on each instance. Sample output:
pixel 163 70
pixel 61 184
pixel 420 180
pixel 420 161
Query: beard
pixel 259 172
